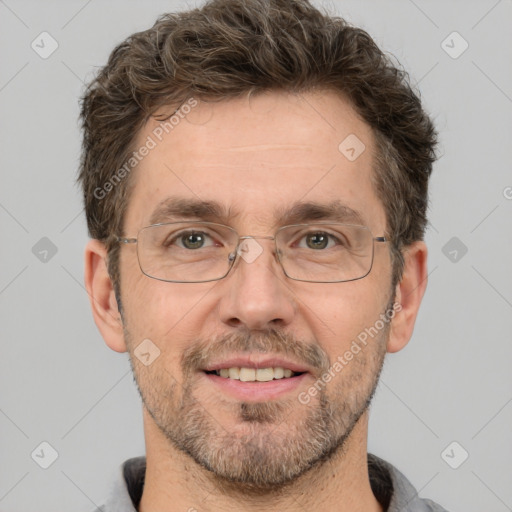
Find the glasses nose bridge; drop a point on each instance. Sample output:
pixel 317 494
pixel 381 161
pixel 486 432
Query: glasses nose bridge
pixel 267 237
pixel 241 239
pixel 254 237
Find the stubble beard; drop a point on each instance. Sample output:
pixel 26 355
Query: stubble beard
pixel 270 444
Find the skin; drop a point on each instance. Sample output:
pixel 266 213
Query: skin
pixel 253 155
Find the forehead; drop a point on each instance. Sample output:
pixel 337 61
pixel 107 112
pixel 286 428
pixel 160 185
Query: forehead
pixel 257 158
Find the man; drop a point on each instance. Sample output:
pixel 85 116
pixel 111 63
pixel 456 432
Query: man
pixel 255 180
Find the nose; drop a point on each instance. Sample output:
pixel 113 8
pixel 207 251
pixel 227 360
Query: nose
pixel 255 294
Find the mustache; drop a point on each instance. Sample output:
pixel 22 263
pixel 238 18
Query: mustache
pixel 201 353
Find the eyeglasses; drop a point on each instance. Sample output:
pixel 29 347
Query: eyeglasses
pixel 197 252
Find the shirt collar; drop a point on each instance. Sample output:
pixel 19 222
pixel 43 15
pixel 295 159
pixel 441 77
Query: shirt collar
pixel 390 487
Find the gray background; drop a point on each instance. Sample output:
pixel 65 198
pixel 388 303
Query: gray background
pixel 60 384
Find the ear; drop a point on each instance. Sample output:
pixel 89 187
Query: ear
pixel 102 297
pixel 409 292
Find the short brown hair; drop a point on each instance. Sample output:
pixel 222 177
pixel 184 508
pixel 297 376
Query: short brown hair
pixel 230 47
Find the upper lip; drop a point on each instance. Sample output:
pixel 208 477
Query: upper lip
pixel 256 361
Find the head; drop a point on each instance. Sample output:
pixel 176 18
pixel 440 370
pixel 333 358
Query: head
pixel 261 94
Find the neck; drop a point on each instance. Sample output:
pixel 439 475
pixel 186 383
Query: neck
pixel 174 482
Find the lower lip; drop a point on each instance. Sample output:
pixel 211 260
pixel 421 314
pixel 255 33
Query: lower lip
pixel 256 391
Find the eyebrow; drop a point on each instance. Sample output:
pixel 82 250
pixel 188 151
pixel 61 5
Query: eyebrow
pixel 173 208
pixel 310 211
pixel 180 208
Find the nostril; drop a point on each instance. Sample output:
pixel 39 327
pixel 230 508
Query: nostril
pixel 234 322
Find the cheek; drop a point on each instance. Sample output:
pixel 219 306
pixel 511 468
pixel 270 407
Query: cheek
pixel 339 315
pixel 168 314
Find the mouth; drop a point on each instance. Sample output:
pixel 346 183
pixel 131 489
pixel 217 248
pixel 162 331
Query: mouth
pixel 254 378
pixel 247 374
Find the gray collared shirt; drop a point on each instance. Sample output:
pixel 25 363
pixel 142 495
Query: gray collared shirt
pixel 390 487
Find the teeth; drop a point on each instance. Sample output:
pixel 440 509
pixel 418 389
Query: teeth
pixel 278 373
pixel 253 374
pixel 247 374
pixel 233 373
pixel 264 374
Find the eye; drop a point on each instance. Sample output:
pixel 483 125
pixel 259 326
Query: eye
pixel 318 240
pixel 191 240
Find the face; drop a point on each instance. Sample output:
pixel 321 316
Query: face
pixel 258 160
